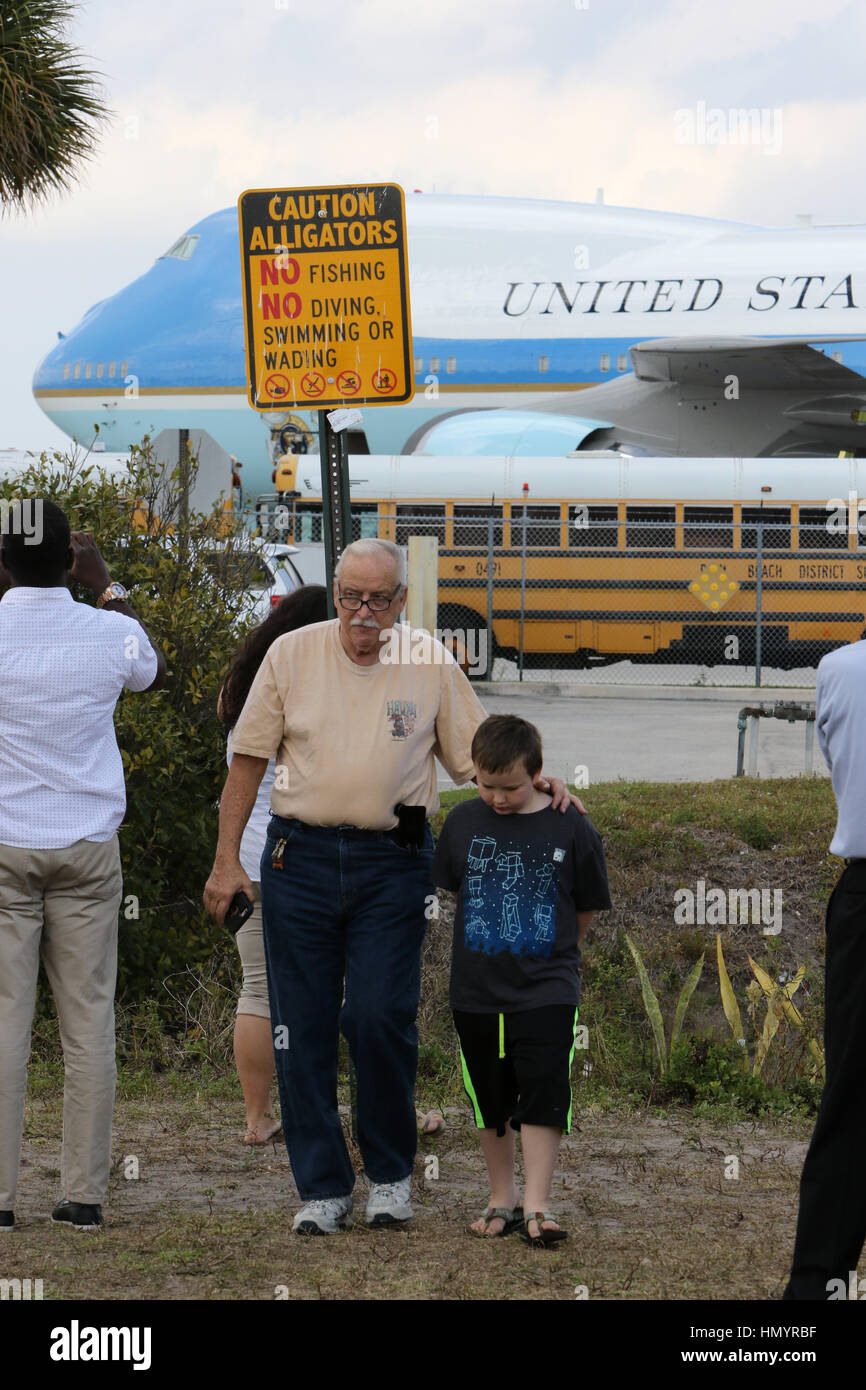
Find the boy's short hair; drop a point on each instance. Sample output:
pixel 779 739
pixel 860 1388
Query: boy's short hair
pixel 503 739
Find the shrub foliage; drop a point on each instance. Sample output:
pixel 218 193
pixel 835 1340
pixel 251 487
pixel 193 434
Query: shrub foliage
pixel 187 574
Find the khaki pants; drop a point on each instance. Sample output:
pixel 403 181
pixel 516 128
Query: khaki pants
pixel 66 901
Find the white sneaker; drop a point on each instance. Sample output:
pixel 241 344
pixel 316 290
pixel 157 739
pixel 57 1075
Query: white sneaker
pixel 323 1216
pixel 389 1202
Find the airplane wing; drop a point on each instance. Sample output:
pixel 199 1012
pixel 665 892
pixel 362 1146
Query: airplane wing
pixel 758 363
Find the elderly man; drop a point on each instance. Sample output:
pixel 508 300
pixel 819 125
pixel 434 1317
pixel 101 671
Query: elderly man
pixel 357 726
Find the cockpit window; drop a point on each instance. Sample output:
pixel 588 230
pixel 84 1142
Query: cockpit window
pixel 182 249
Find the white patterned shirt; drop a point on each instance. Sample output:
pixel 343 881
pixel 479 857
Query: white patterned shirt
pixel 62 667
pixel 840 715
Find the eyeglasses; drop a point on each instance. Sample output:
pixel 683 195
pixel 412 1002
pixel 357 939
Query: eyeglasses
pixel 377 604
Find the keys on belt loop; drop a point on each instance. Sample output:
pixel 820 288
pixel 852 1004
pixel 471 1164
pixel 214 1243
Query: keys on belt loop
pixel 277 854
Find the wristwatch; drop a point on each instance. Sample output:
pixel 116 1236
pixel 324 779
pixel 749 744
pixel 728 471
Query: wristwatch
pixel 113 591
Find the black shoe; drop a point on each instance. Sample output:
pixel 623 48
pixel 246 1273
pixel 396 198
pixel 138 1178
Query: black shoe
pixel 7 1221
pixel 78 1215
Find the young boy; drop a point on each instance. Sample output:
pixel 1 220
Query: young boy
pixel 529 881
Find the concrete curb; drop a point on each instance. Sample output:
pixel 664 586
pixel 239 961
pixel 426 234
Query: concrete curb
pixel 734 695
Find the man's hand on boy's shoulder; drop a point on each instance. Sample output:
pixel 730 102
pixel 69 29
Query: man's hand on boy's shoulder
pixel 562 797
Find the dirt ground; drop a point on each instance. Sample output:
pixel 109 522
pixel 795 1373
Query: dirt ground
pixel 646 1198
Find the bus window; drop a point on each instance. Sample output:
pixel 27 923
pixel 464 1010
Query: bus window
pixel 543 527
pixel 650 527
pixel 476 534
pixel 365 520
pixel 592 527
pixel 308 521
pixel 777 528
pixel 816 534
pixel 708 528
pixel 414 520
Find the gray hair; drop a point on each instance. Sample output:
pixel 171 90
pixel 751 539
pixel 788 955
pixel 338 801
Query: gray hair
pixel 370 545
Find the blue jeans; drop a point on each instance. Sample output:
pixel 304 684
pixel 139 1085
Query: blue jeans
pixel 346 905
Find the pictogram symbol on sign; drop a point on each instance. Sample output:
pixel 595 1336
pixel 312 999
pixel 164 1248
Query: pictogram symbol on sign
pixel 349 383
pixel 384 380
pixel 313 384
pixel 277 385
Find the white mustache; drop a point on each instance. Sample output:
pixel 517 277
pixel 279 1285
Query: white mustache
pixel 364 622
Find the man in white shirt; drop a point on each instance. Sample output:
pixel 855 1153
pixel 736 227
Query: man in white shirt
pixel 831 1225
pixel 62 797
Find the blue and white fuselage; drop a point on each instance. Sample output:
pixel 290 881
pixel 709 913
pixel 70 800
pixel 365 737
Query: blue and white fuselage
pixel 515 303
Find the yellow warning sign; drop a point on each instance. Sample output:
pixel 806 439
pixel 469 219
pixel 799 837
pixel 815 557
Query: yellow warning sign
pixel 714 588
pixel 326 296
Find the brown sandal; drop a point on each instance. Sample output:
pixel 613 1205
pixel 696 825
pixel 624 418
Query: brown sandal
pixel 544 1238
pixel 512 1221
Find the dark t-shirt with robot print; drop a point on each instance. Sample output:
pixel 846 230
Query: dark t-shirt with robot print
pixel 520 880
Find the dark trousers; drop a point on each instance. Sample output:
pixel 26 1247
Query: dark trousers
pixel 831 1226
pixel 347 906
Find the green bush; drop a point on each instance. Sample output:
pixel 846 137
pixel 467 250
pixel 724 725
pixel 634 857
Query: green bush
pixel 707 1072
pixel 196 607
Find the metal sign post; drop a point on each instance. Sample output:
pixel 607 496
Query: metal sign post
pixel 336 513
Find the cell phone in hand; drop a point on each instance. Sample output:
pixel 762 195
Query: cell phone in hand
pixel 240 908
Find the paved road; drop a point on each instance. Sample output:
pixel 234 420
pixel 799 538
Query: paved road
pixel 673 735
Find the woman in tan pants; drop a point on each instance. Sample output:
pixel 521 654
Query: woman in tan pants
pixel 253 1041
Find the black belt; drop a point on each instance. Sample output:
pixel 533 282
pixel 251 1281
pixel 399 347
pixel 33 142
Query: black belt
pixel 352 831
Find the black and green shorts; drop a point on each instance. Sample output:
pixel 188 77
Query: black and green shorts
pixel 517 1066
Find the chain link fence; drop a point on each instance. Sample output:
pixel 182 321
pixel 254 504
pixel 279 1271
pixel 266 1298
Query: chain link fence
pixel 634 595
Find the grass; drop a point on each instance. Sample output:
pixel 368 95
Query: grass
pixel 209 1219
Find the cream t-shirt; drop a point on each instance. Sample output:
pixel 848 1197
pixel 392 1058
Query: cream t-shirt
pixel 352 742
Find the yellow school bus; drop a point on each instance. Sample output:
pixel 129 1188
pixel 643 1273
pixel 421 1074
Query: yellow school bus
pixel 603 558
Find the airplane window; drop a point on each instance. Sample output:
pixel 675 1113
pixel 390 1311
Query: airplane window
pixel 604 362
pixel 124 368
pixel 543 363
pixel 181 250
pixel 622 362
pixel 100 368
pixel 88 370
pixel 451 364
pixel 65 371
pixel 434 364
pixel 419 364
pixel 112 369
pixel 76 370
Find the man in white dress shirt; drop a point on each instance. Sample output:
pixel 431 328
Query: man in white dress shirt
pixel 831 1224
pixel 62 797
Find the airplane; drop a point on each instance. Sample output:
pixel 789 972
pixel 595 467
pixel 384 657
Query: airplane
pixel 543 315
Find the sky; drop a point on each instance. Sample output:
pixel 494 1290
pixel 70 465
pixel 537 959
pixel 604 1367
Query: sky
pixel 553 99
